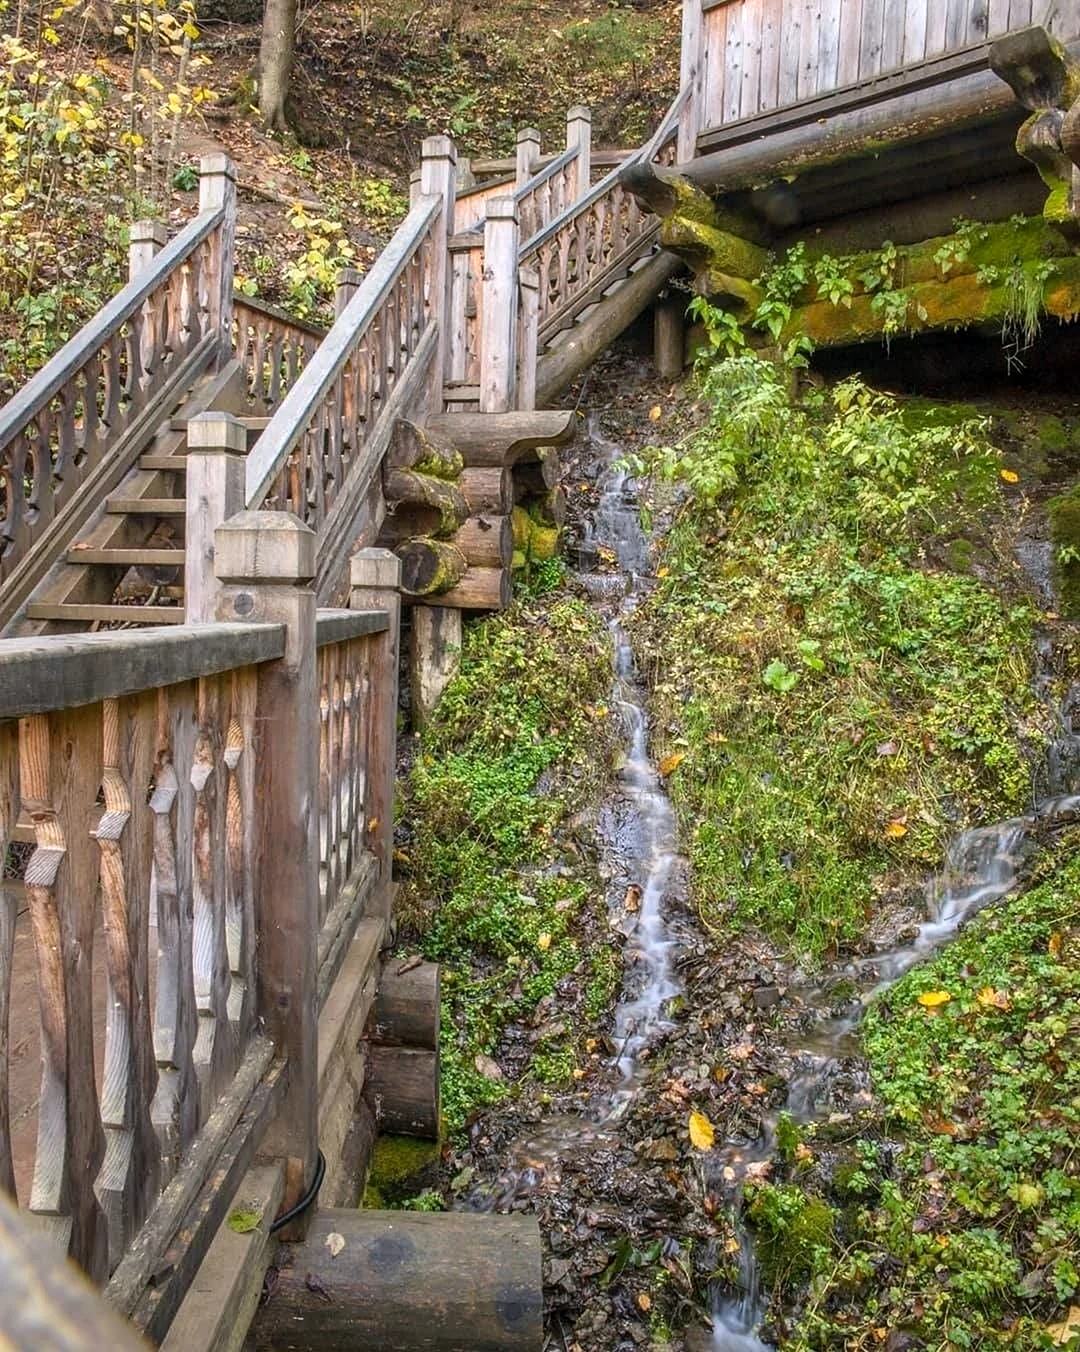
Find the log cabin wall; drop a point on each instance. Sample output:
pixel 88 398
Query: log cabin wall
pixel 759 56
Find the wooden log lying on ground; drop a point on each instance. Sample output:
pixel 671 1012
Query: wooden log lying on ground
pixel 485 541
pixel 487 490
pixel 399 1281
pixel 406 1009
pixel 480 589
pixel 413 447
pixel 497 439
pixel 408 487
pixel 429 566
pixel 402 1086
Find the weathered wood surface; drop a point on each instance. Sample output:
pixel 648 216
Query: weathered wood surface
pixel 273 347
pixel 430 566
pixel 492 441
pixel 480 589
pixel 434 657
pixel 487 490
pixel 485 541
pixel 761 56
pixel 402 1085
pixel 406 1010
pixel 46 1304
pixel 409 489
pixel 404 1282
pixel 413 447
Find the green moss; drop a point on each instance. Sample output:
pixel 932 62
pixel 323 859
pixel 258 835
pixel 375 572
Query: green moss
pixel 1053 433
pixel 1064 512
pixel 794 1232
pixel 400 1167
pixel 961 554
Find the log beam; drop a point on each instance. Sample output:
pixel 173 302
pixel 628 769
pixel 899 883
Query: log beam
pixel 488 491
pixel 485 541
pixel 480 589
pixel 430 566
pixel 404 1281
pixel 406 1009
pixel 416 490
pixel 413 447
pixel 402 1086
pixel 494 440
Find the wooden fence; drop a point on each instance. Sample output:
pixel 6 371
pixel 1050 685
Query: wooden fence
pixel 746 59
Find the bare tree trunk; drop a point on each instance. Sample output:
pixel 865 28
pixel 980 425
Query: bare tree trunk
pixel 275 60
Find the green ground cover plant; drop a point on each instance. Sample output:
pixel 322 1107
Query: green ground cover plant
pixel 519 742
pixel 847 688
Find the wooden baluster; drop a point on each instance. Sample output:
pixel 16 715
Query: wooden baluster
pixel 326 898
pixel 60 767
pixel 260 376
pixel 241 853
pixel 498 359
pixel 127 1186
pixel 40 480
pixel 175 1106
pixel 214 1053
pixel 347 760
pixel 15 525
pixel 359 682
pixel 110 413
pixel 277 361
pixel 267 561
pixel 9 814
pixel 217 188
pixel 65 476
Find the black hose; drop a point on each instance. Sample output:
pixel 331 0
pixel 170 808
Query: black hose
pixel 307 1199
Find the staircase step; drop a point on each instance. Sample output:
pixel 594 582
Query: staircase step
pixel 146 506
pixel 128 558
pixel 171 464
pixel 83 613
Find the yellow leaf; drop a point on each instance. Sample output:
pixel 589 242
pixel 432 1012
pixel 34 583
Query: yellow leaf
pixel 1053 946
pixel 932 999
pixel 1010 476
pixel 895 831
pixel 655 413
pixel 702 1131
pixel 1068 1328
pixel 992 999
pixel 335 1243
pixel 544 942
pixel 670 763
pixel 663 572
pixel 732 1246
pixel 644 1302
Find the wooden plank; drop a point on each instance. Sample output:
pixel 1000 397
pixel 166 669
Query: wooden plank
pixel 10 805
pixel 978 21
pixel 225 1292
pixel 339 626
pixel 715 67
pixel 771 46
pixel 62 672
pixel 828 58
pixel 491 440
pixel 341 924
pixel 498 321
pixel 998 22
pixel 956 24
pixel 127 558
pixel 1019 13
pixel 143 1262
pixel 872 39
pixel 892 34
pixel 808 50
pixel 146 506
pixel 46 1304
pixel 348 1000
pixel 790 53
pixel 751 74
pixel 850 36
pixel 936 17
pixel 733 63
pixel 914 31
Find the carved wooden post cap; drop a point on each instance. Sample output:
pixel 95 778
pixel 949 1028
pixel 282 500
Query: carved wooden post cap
pixel 217 164
pixel 375 568
pixel 579 113
pixel 501 209
pixel 264 547
pixel 439 148
pixel 148 232
pixel 216 432
pixel 529 135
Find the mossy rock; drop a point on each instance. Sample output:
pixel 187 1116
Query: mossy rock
pixel 532 539
pixel 793 1230
pixel 1064 512
pixel 401 1167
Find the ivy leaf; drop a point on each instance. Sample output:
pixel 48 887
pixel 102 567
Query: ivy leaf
pixel 243 1222
pixel 702 1131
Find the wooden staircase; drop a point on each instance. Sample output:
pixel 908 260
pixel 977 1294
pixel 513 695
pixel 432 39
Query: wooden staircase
pixel 126 567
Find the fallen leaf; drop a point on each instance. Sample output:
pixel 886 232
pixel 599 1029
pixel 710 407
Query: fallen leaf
pixel 702 1131
pixel 758 1169
pixel 1010 476
pixel 655 413
pixel 940 1126
pixel 489 1068
pixel 1053 946
pixel 644 1302
pixel 663 572
pixel 335 1243
pixel 887 749
pixel 670 764
pixel 895 831
pixel 243 1222
pixel 932 999
pixel 732 1246
pixel 1068 1328
pixel 543 943
pixel 992 999
pixel 632 900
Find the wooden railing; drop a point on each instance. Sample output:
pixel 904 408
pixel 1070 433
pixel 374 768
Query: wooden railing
pixel 273 347
pixel 75 428
pixel 321 451
pixel 748 58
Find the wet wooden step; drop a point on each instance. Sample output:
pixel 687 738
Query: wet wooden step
pixel 84 613
pixel 146 506
pixel 128 558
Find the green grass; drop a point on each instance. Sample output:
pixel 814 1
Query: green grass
pixel 521 739
pixel 844 699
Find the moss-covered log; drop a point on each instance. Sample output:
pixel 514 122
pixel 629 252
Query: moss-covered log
pixel 533 539
pixel 430 566
pixel 487 489
pixel 413 447
pixel 411 489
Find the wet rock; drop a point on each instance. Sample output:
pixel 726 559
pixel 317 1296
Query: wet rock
pixel 765 997
pixel 489 1068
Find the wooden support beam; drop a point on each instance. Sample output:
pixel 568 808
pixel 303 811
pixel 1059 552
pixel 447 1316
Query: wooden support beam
pixel 669 336
pixel 217 444
pixel 414 447
pixel 430 566
pixel 1038 70
pixel 434 657
pixel 402 1086
pixel 406 1010
pixel 404 1281
pixel 485 541
pixel 498 314
pixel 491 440
pixel 487 490
pixel 480 589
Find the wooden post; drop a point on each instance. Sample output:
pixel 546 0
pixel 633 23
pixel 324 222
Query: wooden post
pixel 217 188
pixel 465 179
pixel 434 657
pixel 579 133
pixel 668 337
pixel 528 152
pixel 414 186
pixel 376 585
pixel 528 336
pixel 266 561
pixel 438 172
pixel 498 328
pixel 217 444
pixel 690 76
pixel 144 240
pixel 348 283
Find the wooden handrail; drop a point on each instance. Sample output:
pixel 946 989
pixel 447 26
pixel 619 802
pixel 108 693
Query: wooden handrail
pixel 547 173
pixel 62 367
pixel 302 402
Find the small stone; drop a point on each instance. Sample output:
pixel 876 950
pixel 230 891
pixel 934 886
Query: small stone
pixel 489 1068
pixel 766 996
